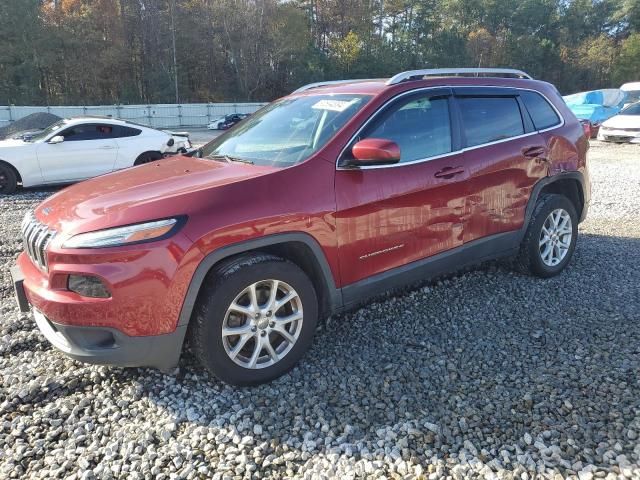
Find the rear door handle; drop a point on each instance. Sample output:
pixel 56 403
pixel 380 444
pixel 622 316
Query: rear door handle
pixel 534 152
pixel 449 172
pixel 107 147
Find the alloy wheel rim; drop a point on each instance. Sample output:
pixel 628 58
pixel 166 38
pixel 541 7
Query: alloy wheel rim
pixel 555 237
pixel 262 324
pixel 3 180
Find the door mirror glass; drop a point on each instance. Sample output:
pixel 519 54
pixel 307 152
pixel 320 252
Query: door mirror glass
pixel 375 151
pixel 56 139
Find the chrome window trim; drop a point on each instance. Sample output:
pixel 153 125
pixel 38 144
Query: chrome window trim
pixel 455 152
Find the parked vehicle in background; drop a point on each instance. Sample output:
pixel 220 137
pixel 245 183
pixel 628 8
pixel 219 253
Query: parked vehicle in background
pixel 632 90
pixel 596 106
pixel 230 120
pixel 624 127
pixel 213 124
pixel 78 148
pixel 386 183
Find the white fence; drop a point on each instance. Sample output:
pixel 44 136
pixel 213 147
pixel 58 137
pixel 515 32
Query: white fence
pixel 159 116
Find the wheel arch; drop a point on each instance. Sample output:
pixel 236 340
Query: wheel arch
pixel 569 184
pixel 299 248
pixel 155 152
pixel 12 167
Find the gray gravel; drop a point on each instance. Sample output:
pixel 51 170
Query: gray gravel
pixel 488 374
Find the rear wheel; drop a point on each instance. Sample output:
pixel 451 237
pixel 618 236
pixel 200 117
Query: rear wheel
pixel 551 237
pixel 254 319
pixel 147 157
pixel 8 180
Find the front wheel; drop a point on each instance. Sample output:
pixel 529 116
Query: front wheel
pixel 551 237
pixel 254 320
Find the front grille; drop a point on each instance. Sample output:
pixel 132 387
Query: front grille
pixel 36 237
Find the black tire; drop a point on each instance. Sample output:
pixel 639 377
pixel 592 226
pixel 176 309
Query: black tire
pixel 221 288
pixel 530 259
pixel 8 180
pixel 147 157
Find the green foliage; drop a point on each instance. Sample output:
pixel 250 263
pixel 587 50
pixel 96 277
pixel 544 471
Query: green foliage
pixel 627 68
pixel 122 51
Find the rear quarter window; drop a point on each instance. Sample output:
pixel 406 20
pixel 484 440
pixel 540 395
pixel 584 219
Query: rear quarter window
pixel 542 113
pixel 127 132
pixel 489 119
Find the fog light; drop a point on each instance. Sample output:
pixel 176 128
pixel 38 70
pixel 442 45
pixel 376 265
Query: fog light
pixel 87 286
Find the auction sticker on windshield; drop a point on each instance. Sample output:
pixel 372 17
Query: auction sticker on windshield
pixel 333 105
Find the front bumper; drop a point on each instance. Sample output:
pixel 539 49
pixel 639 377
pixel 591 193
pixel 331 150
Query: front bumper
pixel 100 344
pixel 618 136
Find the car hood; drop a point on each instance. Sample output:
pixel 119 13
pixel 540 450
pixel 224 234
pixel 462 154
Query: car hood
pixel 623 121
pixel 13 143
pixel 174 186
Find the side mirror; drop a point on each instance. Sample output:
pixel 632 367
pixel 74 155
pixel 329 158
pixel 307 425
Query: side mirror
pixel 56 139
pixel 375 151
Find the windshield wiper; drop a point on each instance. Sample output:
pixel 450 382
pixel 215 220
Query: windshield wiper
pixel 230 159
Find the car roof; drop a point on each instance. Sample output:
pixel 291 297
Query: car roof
pixel 96 118
pixel 630 86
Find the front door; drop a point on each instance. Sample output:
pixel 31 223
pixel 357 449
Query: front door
pixel 88 150
pixel 389 216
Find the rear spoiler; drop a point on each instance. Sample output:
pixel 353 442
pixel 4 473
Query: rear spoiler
pixel 177 134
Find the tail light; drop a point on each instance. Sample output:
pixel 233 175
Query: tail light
pixel 586 127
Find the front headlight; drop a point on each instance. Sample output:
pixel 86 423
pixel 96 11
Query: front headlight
pixel 130 234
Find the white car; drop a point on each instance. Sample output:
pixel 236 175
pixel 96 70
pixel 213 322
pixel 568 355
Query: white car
pixel 79 148
pixel 213 124
pixel 624 127
pixel 633 92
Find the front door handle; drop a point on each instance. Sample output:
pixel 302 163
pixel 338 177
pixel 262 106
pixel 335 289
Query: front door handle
pixel 449 172
pixel 107 147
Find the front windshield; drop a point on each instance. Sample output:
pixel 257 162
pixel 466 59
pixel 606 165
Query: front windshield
pixel 631 110
pixel 633 96
pixel 287 131
pixel 47 131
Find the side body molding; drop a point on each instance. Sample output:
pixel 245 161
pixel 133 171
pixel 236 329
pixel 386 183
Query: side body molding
pixel 335 295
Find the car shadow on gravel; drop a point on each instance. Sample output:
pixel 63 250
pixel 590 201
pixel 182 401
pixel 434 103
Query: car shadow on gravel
pixel 487 364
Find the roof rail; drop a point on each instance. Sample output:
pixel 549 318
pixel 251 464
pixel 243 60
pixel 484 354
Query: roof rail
pixel 452 72
pixel 331 82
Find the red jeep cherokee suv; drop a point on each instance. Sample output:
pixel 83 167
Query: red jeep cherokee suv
pixel 331 195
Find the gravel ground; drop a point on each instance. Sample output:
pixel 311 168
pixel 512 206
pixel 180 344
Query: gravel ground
pixel 487 374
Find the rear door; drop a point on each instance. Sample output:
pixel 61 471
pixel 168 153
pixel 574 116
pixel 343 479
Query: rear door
pixel 389 216
pixel 504 155
pixel 88 150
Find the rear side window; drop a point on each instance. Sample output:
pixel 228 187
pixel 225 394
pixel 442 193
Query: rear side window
pixel 488 119
pixel 420 125
pixel 123 131
pixel 542 114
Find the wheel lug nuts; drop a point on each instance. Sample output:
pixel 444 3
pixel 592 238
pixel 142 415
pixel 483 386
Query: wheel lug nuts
pixel 263 333
pixel 272 324
pixel 253 329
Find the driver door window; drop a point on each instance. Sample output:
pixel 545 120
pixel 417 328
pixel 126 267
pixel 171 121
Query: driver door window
pixel 420 125
pixel 87 132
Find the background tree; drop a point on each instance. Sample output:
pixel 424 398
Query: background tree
pixel 121 51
